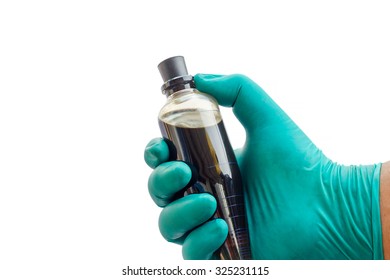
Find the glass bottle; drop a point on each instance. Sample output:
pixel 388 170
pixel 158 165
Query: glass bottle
pixel 192 125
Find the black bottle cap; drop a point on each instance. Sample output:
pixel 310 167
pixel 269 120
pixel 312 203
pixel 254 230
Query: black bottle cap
pixel 172 67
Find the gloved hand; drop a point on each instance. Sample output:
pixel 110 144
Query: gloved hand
pixel 300 204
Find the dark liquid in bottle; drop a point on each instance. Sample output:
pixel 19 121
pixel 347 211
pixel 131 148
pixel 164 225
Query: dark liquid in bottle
pixel 209 151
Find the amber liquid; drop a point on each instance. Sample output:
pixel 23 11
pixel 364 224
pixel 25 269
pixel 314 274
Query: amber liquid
pixel 209 151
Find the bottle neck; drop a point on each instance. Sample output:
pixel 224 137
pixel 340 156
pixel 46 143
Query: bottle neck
pixel 177 84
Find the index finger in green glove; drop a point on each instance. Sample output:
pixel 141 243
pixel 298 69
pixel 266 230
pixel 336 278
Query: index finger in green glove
pixel 156 152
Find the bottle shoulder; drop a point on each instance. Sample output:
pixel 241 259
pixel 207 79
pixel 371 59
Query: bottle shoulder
pixel 190 107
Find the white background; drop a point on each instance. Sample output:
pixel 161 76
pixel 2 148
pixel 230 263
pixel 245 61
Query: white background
pixel 80 93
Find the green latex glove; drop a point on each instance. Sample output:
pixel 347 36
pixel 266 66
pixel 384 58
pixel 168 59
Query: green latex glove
pixel 300 204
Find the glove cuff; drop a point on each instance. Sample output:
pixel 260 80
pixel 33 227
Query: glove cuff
pixel 376 217
pixel 352 198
